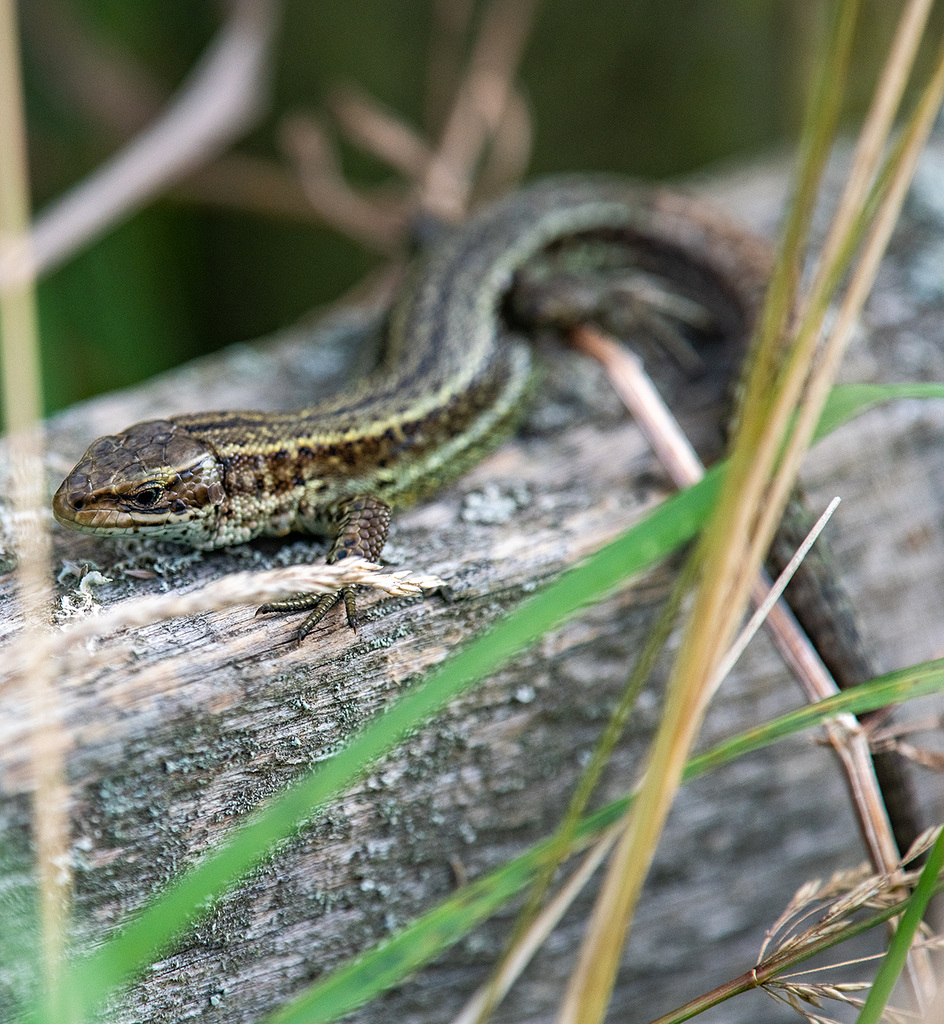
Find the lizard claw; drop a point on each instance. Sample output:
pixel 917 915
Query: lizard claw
pixel 320 605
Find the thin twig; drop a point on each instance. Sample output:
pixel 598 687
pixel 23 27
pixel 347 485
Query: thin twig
pixel 222 98
pixel 376 224
pixel 380 132
pixel 765 606
pixel 479 107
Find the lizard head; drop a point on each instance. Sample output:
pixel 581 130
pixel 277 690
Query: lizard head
pixel 153 478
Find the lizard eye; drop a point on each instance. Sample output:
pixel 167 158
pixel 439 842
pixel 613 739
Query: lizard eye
pixel 149 496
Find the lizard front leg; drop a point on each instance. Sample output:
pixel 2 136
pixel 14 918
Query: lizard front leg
pixel 361 523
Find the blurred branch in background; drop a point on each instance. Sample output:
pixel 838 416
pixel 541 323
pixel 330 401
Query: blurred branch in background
pixel 482 147
pixel 183 277
pixel 220 101
pixel 115 94
pixel 223 98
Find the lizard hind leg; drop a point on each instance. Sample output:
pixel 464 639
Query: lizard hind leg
pixel 362 523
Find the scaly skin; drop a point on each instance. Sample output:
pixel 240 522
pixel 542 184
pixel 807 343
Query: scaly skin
pixel 455 382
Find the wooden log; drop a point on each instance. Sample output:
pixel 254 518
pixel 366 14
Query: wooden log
pixel 177 729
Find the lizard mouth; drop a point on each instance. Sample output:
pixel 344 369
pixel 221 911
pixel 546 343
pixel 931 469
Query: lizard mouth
pixel 101 514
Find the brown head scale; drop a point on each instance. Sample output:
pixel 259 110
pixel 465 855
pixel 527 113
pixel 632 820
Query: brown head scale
pixel 153 478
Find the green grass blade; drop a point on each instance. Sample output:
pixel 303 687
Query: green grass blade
pixel 892 688
pixel 394 961
pixel 846 401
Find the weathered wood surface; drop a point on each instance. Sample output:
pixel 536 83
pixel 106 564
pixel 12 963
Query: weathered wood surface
pixel 178 729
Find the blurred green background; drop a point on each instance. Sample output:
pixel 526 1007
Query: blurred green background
pixel 646 87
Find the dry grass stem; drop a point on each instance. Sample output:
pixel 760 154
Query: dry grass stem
pixel 487 997
pixel 35 675
pixel 872 139
pixel 766 604
pixel 22 404
pixel 236 589
pixel 219 102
